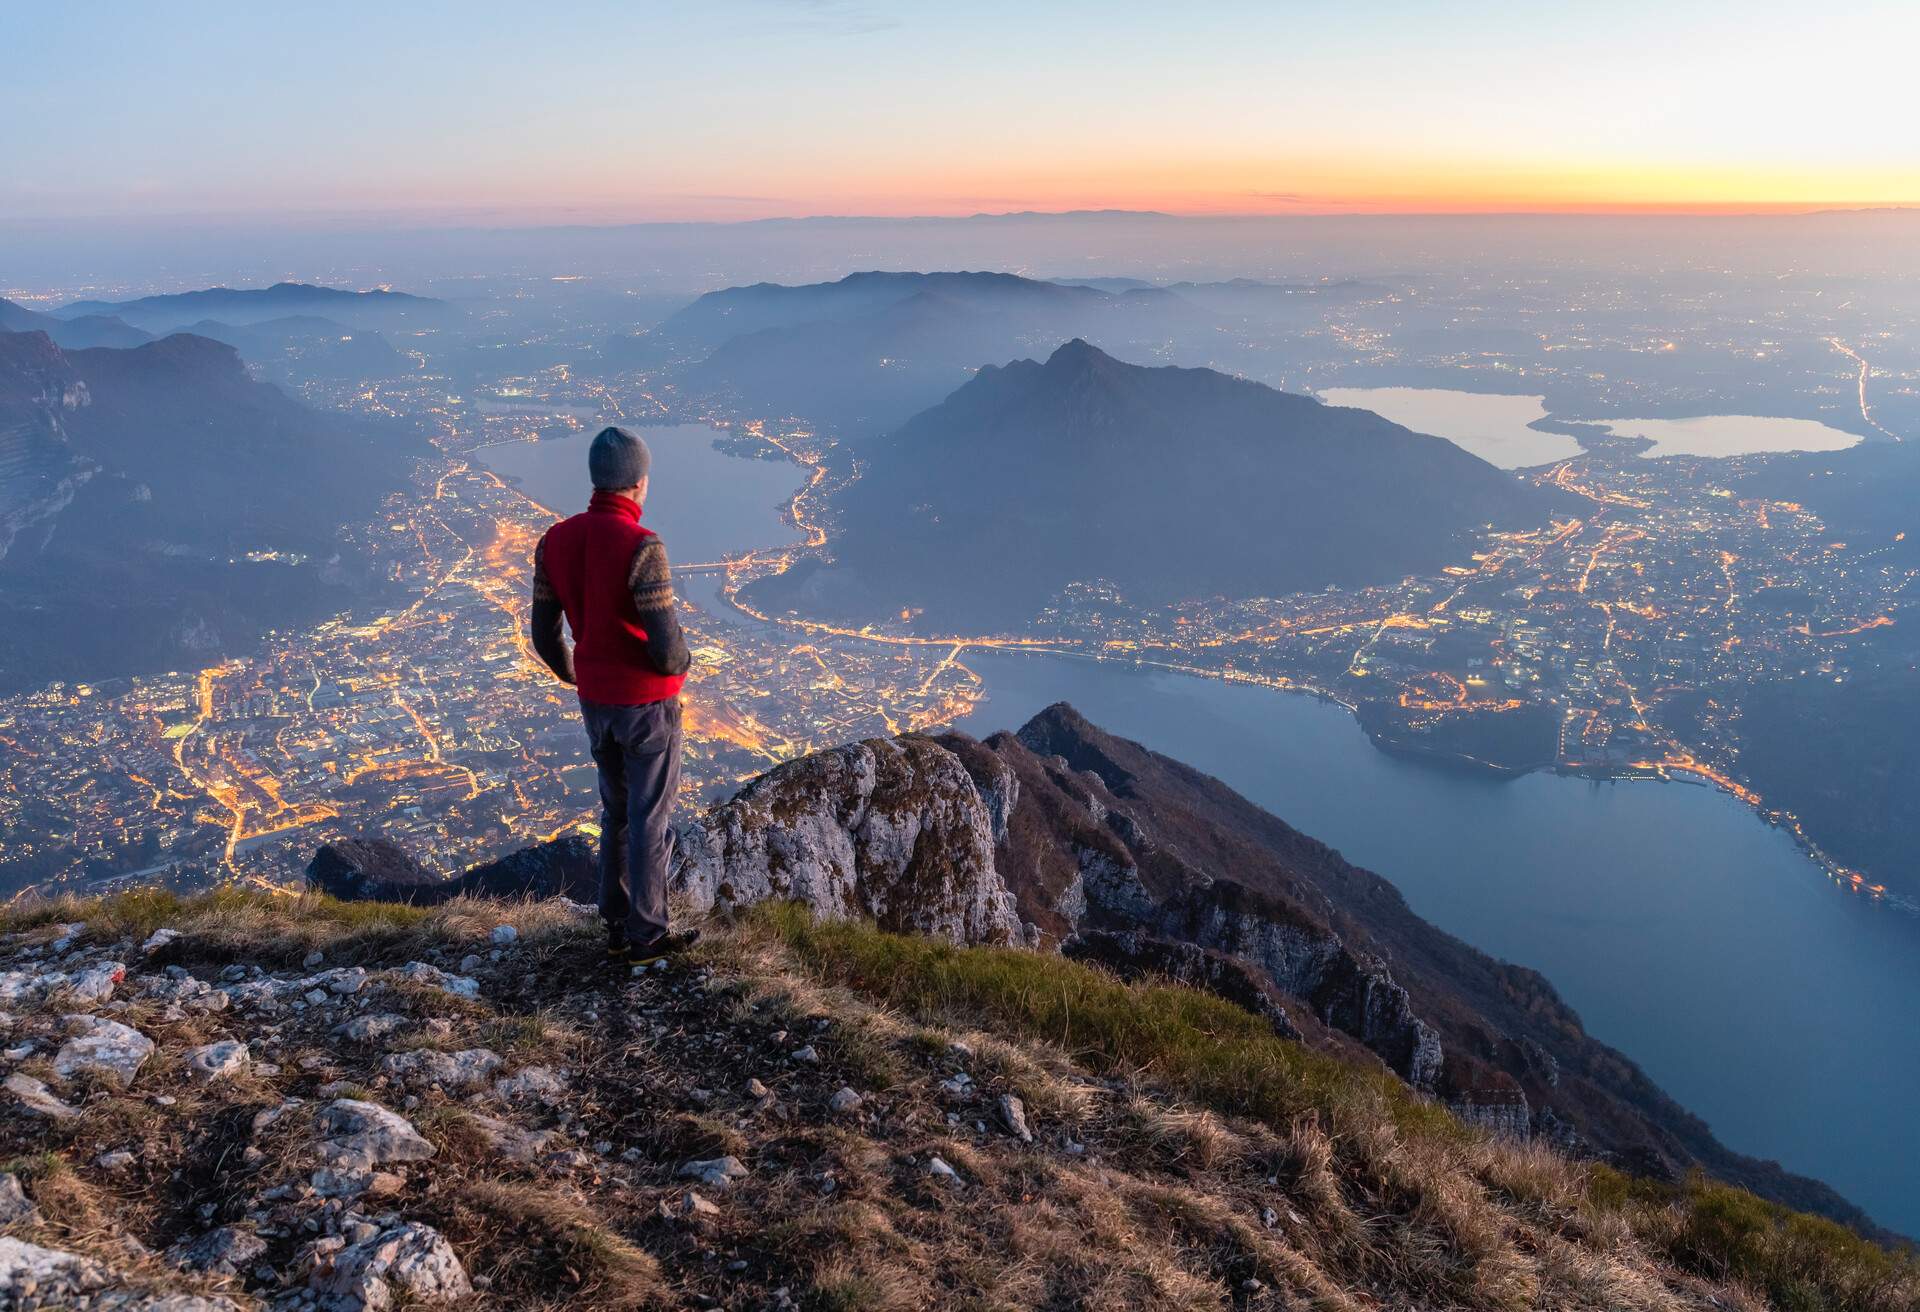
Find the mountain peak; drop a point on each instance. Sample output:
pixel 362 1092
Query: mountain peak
pixel 1079 352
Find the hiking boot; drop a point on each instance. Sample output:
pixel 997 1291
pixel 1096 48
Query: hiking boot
pixel 667 945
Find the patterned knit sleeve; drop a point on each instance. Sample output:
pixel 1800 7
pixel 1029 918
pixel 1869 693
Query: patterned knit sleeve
pixel 547 630
pixel 651 581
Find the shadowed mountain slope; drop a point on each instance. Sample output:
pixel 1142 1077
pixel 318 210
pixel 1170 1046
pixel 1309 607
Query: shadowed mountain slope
pixel 1168 483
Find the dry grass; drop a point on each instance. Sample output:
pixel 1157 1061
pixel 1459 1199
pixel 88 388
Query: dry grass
pixel 1185 1158
pixel 543 1248
pixel 1393 1195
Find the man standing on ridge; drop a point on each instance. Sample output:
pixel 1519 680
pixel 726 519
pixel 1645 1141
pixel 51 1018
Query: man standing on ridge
pixel 607 576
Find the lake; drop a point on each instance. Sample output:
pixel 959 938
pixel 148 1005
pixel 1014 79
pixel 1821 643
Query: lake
pixel 1687 933
pixel 1730 435
pixel 1492 426
pixel 703 504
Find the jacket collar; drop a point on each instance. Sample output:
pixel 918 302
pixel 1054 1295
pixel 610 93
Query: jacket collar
pixel 612 503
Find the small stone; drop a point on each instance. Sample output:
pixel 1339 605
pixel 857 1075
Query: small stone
pixel 806 1053
pixel 410 1263
pixel 1013 1115
pixel 217 1061
pixel 695 1208
pixel 961 1049
pixel 715 1173
pixel 534 1083
pixel 503 935
pixel 755 1089
pixel 843 1101
pixel 20 1053
pixel 224 1251
pixel 15 1207
pixel 118 1160
pixel 359 1135
pixel 511 1141
pixel 470 963
pixel 159 939
pixel 314 997
pixel 937 1168
pixel 313 958
pixel 97 982
pixel 1269 1218
pixel 452 1071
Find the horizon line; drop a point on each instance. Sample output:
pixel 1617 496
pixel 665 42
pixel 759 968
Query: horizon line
pixel 418 220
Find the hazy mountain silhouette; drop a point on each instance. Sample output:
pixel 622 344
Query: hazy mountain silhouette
pixel 140 480
pixel 75 334
pixel 869 351
pixel 1170 483
pixel 253 305
pixel 307 346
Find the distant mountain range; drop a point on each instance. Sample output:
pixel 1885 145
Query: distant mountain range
pixel 1167 483
pixel 176 310
pixel 133 486
pixel 77 333
pixel 867 352
pixel 305 346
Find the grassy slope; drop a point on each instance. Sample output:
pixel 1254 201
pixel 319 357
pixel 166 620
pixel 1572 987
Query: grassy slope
pixel 1220 1165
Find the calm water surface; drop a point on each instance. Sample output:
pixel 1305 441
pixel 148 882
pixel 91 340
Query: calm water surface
pixel 1684 931
pixel 703 504
pixel 1492 427
pixel 1730 435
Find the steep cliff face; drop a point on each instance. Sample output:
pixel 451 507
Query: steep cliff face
pixel 888 829
pixel 1066 838
pixel 39 469
pixel 1083 860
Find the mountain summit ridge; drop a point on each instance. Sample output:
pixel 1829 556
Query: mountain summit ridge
pixel 1169 483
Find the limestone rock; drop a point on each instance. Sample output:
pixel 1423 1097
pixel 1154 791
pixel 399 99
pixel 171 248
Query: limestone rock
pixel 513 1142
pixel 15 1207
pixel 715 1173
pixel 104 1050
pixel 455 1072
pixel 217 1061
pixel 49 1274
pixel 409 1262
pixel 358 1135
pixel 97 982
pixel 892 829
pixel 225 1251
pixel 533 1084
pixel 1013 1115
pixel 34 1097
pixel 460 986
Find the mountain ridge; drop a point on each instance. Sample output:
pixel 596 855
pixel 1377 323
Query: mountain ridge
pixel 1030 476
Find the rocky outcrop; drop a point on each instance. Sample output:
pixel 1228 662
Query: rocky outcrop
pixel 375 870
pixel 892 829
pixel 368 870
pixel 564 867
pixel 1136 954
pixel 1347 992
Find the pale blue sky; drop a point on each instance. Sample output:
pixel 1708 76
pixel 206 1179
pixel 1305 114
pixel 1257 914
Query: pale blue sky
pixel 740 108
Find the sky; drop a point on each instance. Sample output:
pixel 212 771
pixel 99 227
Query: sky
pixel 571 112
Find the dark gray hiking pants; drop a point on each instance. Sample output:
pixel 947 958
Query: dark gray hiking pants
pixel 638 751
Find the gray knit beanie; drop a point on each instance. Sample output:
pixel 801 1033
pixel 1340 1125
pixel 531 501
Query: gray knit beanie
pixel 618 459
